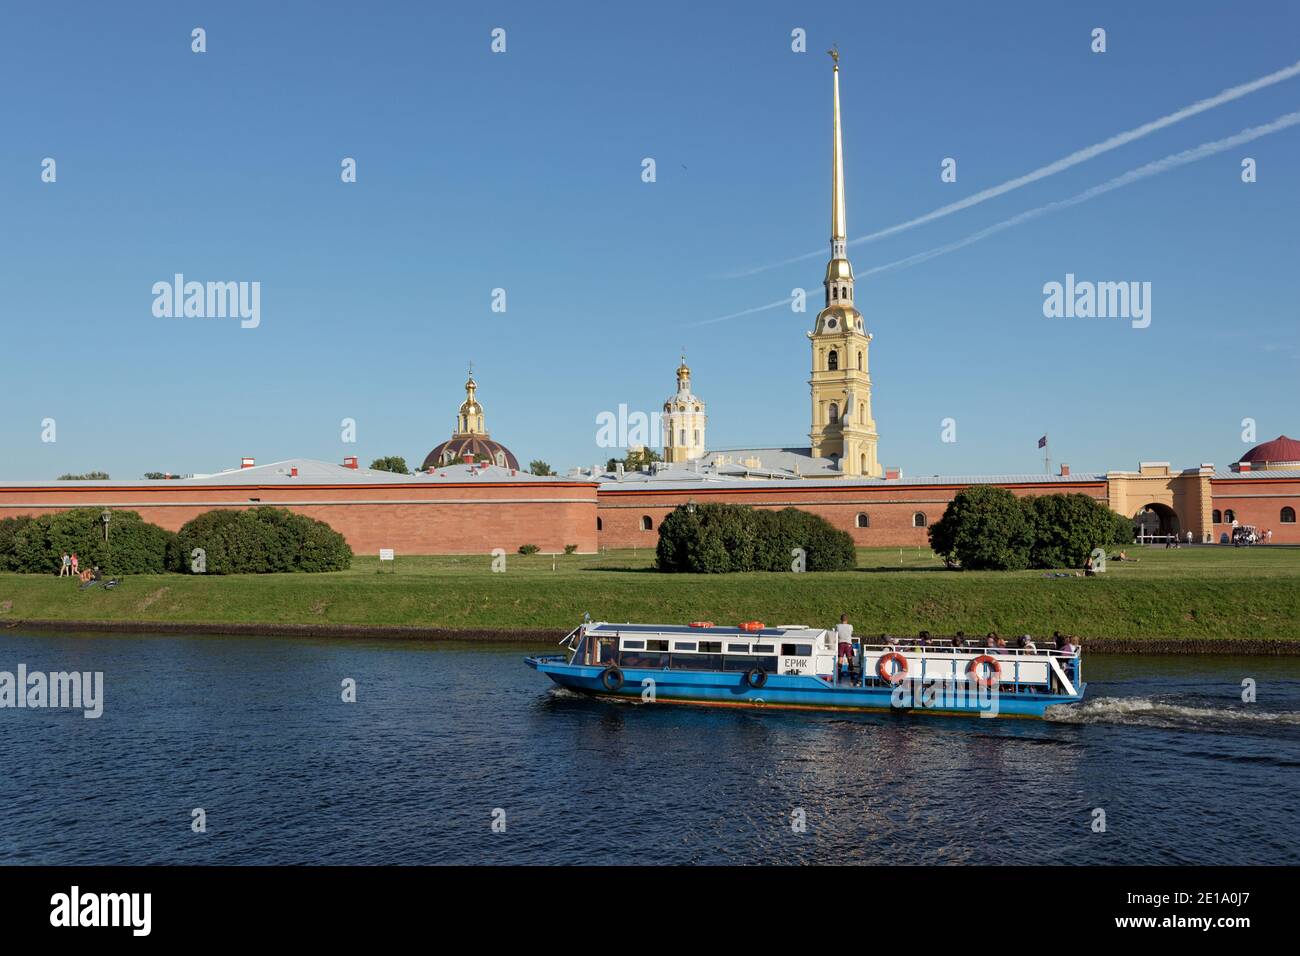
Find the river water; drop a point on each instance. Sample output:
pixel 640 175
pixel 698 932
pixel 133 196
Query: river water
pixel 444 740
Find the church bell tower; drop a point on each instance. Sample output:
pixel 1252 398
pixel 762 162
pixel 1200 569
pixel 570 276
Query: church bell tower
pixel 842 425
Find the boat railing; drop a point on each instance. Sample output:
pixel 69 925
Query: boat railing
pixel 909 647
pixel 1066 665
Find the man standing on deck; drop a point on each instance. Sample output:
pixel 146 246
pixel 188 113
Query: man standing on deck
pixel 844 633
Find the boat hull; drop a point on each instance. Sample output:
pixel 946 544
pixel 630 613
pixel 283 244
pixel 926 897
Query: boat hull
pixel 794 692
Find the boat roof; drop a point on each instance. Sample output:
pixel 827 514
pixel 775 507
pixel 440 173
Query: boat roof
pixel 698 631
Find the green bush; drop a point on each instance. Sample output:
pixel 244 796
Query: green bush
pixel 261 540
pixel 528 549
pixel 570 548
pixel 719 539
pixel 9 528
pixel 1066 529
pixel 134 546
pixel 984 528
pixel 989 528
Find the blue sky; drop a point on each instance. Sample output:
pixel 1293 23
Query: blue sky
pixel 522 171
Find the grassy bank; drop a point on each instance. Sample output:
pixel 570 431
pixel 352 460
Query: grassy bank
pixel 1190 594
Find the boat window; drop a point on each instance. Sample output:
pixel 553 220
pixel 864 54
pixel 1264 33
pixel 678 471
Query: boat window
pixel 698 662
pixel 684 646
pixel 638 659
pixel 763 648
pixel 656 645
pixel 633 645
pixel 737 648
pixel 796 650
pixel 710 647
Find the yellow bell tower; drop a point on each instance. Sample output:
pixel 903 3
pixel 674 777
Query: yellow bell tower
pixel 842 425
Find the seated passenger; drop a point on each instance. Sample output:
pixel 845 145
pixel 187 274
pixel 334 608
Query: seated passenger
pixel 991 641
pixel 1026 643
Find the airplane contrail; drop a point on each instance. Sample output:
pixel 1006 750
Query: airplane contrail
pixel 1153 168
pixel 1051 169
pixel 1133 175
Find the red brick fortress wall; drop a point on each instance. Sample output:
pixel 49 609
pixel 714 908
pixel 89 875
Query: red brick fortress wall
pixel 443 518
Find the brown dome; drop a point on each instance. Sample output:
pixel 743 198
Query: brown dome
pixel 453 451
pixel 1280 450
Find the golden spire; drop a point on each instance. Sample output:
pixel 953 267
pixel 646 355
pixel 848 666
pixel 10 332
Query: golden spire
pixel 837 168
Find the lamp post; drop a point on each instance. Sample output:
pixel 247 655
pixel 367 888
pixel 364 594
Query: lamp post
pixel 105 517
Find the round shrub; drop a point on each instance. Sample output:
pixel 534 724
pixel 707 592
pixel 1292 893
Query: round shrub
pixel 1066 529
pixel 718 539
pixel 134 546
pixel 985 528
pixel 989 528
pixel 261 540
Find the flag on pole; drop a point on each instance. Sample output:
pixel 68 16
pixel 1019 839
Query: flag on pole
pixel 1042 442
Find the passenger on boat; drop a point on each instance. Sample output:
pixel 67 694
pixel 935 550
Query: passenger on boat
pixel 991 642
pixel 958 641
pixel 891 646
pixel 1067 646
pixel 923 639
pixel 1026 643
pixel 844 633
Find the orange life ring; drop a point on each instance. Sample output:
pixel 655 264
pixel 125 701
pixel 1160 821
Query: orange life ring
pixel 995 670
pixel 888 676
pixel 751 625
pixel 701 623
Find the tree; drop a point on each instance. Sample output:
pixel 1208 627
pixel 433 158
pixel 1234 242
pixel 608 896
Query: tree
pixel 1066 529
pixel 88 476
pixel 718 539
pixel 984 528
pixel 262 540
pixel 539 467
pixel 988 528
pixel 394 463
pixel 131 545
pixel 635 460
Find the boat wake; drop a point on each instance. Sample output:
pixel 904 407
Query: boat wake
pixel 1155 712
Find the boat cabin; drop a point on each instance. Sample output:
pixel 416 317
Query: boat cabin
pixel 787 649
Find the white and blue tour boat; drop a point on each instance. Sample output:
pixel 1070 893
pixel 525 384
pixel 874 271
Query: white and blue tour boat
pixel 798 667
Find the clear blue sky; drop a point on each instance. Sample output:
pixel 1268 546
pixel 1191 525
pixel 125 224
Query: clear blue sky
pixel 523 171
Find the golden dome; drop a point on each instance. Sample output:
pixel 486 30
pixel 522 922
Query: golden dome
pixel 839 270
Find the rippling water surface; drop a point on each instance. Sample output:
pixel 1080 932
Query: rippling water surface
pixel 254 732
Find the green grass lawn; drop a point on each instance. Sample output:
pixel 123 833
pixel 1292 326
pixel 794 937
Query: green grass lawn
pixel 1205 592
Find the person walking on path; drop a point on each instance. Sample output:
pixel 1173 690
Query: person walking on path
pixel 65 566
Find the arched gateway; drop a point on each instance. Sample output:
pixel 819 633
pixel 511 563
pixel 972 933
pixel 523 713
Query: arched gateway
pixel 1155 518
